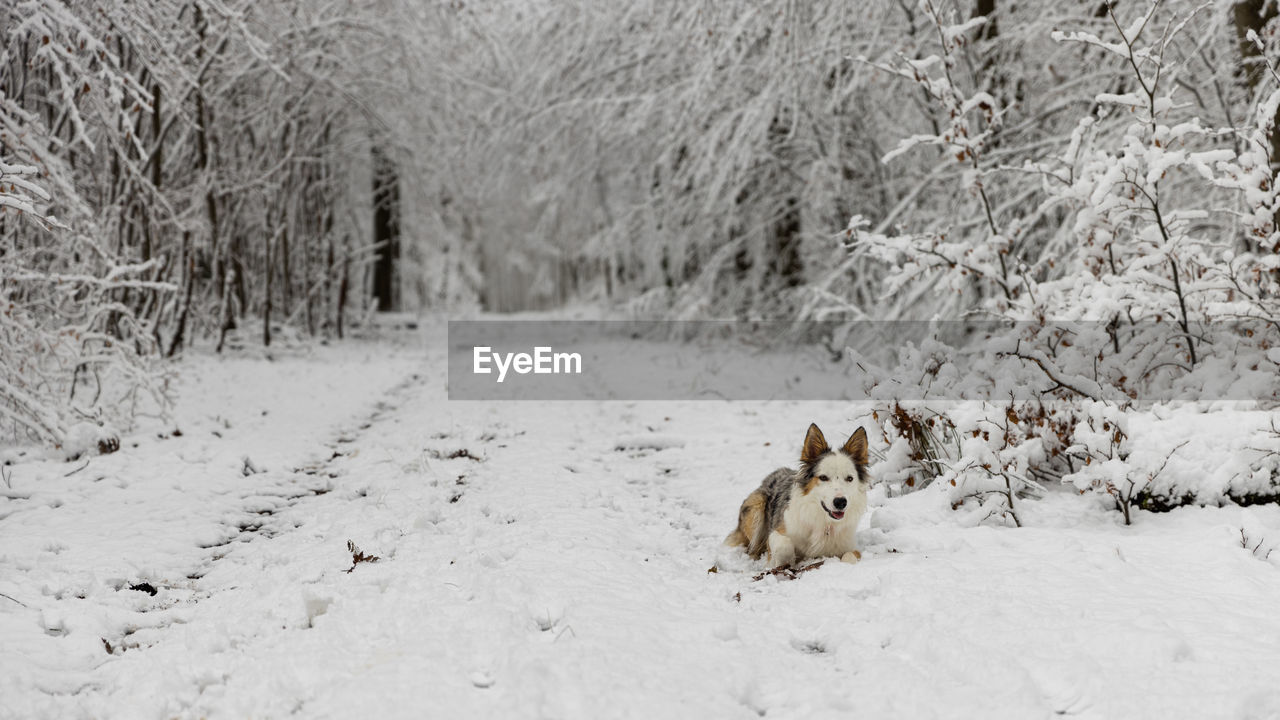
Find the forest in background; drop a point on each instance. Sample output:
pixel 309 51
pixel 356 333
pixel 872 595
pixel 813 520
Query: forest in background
pixel 177 172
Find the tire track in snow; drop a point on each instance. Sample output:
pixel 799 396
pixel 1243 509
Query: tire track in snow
pixel 100 564
pixel 266 513
pixel 303 482
pixel 293 489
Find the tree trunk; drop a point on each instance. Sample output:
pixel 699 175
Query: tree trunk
pixel 386 230
pixel 227 312
pixel 189 265
pixel 266 300
pixel 785 266
pixel 343 284
pixel 1254 15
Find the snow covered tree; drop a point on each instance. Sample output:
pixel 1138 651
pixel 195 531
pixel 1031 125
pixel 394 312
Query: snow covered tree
pixel 1143 287
pixel 172 171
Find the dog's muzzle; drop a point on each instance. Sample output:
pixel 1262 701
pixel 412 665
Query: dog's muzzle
pixel 838 513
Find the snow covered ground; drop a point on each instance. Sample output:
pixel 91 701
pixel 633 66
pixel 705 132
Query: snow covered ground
pixel 551 560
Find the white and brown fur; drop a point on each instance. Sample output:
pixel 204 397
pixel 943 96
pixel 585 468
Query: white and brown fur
pixel 794 515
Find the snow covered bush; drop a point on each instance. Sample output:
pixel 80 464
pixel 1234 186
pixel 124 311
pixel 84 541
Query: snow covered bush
pixel 74 353
pixel 174 171
pixel 88 362
pixel 1136 264
pixel 73 356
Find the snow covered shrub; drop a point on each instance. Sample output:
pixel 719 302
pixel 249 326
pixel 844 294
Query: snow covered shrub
pixel 1112 265
pixel 73 353
pixel 21 193
pixel 1099 444
pixel 969 450
pixel 209 166
pixel 1214 464
pixel 990 454
pixel 1255 474
pixel 982 425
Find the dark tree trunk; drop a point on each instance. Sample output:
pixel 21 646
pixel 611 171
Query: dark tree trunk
pixel 227 312
pixel 342 292
pixel 386 229
pixel 266 300
pixel 1254 15
pixel 987 9
pixel 330 302
pixel 1251 15
pixel 189 266
pixel 785 267
pixel 286 296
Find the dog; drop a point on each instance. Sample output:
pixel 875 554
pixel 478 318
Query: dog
pixel 812 512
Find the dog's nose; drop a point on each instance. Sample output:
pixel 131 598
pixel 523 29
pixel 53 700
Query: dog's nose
pixel 840 503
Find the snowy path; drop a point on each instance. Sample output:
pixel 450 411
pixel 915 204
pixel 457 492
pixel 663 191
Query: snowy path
pixel 551 560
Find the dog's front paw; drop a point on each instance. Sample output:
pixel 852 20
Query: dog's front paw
pixel 782 551
pixel 781 561
pixel 851 557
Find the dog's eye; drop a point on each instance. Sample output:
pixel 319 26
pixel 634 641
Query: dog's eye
pixel 849 479
pixel 823 478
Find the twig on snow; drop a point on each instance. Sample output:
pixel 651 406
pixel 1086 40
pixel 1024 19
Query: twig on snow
pixel 73 472
pixel 785 572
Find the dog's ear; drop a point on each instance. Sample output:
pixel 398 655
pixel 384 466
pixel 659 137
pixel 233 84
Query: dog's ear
pixel 814 445
pixel 856 446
